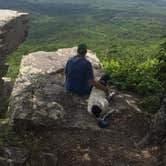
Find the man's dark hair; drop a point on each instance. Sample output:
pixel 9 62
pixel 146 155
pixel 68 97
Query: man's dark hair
pixel 82 49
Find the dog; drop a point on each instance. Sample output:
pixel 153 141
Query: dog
pixel 98 102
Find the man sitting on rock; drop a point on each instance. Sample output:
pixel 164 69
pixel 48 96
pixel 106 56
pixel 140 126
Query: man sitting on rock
pixel 79 74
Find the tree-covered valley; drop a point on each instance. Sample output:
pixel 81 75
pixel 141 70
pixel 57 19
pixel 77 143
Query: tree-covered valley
pixel 126 35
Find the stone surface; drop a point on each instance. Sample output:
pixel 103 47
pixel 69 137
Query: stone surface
pixel 157 129
pixel 11 156
pixel 7 86
pixel 39 97
pixel 3 162
pixel 72 136
pixel 3 125
pixel 15 155
pixel 48 159
pixel 13 31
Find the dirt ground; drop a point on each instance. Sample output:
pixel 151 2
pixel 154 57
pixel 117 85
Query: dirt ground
pixel 113 146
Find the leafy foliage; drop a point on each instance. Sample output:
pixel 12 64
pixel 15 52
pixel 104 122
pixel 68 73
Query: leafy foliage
pixel 133 76
pixel 162 64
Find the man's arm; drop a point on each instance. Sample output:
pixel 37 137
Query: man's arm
pixel 91 80
pixel 62 70
pixel 59 71
pixel 98 85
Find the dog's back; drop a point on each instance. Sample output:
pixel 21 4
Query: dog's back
pixel 98 99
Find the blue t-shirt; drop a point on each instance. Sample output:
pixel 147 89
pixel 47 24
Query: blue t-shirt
pixel 78 73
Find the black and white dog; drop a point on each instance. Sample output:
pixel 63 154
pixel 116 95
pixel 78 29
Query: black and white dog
pixel 98 102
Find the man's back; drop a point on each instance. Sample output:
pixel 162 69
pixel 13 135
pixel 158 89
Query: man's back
pixel 78 73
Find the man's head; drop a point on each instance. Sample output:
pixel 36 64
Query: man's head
pixel 82 49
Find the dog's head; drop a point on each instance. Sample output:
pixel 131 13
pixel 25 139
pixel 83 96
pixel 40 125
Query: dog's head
pixel 104 79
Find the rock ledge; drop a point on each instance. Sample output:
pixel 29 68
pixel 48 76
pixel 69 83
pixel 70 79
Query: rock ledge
pixel 13 31
pixel 39 97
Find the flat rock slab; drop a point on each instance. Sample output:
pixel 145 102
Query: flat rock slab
pixel 39 97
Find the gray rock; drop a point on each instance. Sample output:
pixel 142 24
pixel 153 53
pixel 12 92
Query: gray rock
pixel 157 128
pixel 4 162
pixel 13 31
pixel 16 155
pixel 3 124
pixel 39 97
pixel 48 159
pixel 7 86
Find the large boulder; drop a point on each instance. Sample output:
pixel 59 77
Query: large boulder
pixel 13 31
pixel 39 97
pixel 157 129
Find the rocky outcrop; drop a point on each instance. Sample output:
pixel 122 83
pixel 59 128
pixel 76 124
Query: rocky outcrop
pixel 13 156
pixel 13 31
pixel 71 136
pixel 157 129
pixel 39 97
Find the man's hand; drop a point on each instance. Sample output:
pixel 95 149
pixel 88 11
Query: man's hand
pixel 59 71
pixel 98 85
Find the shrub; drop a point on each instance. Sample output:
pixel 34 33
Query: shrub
pixel 140 78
